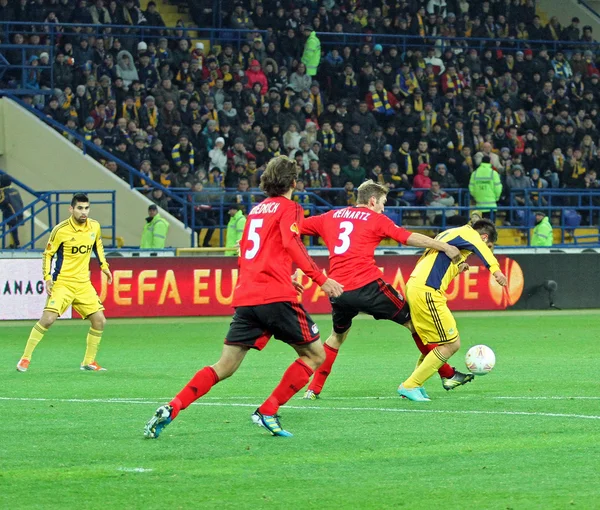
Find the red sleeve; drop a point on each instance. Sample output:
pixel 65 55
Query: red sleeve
pixel 388 229
pixel 313 225
pixel 290 225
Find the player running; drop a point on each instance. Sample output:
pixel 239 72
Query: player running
pixel 73 242
pixel 265 302
pixel 425 291
pixel 351 235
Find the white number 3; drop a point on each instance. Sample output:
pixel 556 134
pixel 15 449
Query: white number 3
pixel 347 228
pixel 254 237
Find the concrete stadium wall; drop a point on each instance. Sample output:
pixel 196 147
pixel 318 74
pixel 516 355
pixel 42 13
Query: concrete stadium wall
pixel 45 160
pixel 565 10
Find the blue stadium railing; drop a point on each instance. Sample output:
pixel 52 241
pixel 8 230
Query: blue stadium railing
pixel 48 209
pixel 53 33
pixel 572 209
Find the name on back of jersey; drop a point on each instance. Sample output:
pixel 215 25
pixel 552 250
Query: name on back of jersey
pixel 268 208
pixel 351 215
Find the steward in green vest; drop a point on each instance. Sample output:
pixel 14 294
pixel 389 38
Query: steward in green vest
pixel 311 57
pixel 485 186
pixel 235 228
pixel 154 236
pixel 542 232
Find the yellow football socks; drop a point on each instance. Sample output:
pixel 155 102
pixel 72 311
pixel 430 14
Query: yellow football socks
pixel 419 361
pixel 37 333
pixel 93 341
pixel 431 364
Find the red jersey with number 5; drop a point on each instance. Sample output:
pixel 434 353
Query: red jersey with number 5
pixel 270 244
pixel 351 235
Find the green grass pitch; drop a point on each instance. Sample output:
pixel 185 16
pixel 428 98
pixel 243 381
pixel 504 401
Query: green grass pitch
pixel 525 436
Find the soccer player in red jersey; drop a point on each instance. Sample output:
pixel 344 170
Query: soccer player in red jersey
pixel 351 235
pixel 265 302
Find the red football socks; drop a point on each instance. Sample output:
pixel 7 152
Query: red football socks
pixel 199 385
pixel 322 373
pixel 294 379
pixel 446 370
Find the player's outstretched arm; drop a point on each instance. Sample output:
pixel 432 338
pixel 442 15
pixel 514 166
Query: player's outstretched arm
pixel 421 241
pixel 312 226
pixel 290 225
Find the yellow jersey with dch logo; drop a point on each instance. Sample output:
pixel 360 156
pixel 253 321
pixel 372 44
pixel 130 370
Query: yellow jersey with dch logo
pixel 73 244
pixel 434 269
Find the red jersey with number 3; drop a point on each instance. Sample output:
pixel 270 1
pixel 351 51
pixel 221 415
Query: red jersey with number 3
pixel 270 244
pixel 351 235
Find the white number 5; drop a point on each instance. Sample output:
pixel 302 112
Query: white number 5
pixel 254 237
pixel 347 228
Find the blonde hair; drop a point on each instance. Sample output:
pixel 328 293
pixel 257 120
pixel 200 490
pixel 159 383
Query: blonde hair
pixel 370 189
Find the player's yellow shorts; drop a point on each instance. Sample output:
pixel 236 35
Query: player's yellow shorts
pixel 82 296
pixel 430 315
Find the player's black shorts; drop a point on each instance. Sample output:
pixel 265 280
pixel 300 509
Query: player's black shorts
pixel 377 298
pixel 253 326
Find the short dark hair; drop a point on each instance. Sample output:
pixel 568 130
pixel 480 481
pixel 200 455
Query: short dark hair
pixel 485 226
pixel 279 176
pixel 79 197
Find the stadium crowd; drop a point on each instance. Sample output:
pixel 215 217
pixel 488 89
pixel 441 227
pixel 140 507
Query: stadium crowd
pixel 422 117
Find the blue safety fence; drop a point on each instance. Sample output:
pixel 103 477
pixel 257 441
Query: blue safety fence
pixel 48 209
pixel 21 69
pixel 569 209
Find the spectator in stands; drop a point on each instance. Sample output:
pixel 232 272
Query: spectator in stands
pixel 158 197
pixel 152 15
pixel 445 179
pixel 154 236
pixel 126 69
pixel 217 157
pixel 183 178
pixel 437 197
pixel 300 80
pixel 517 182
pixel 353 172
pixel 486 151
pixel 11 205
pixel 183 153
pixel 422 179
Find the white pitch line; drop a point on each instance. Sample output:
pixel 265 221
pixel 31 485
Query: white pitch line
pixel 314 408
pixel 135 470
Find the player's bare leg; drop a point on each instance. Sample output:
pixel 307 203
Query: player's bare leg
pixel 332 347
pixel 94 336
pixel 411 388
pixel 311 357
pixel 199 385
pixel 37 333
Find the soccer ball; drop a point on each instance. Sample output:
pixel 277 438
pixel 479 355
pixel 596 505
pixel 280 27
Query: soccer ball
pixel 480 359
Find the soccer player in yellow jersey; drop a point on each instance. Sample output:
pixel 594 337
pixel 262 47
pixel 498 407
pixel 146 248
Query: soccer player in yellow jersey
pixel 425 290
pixel 72 241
